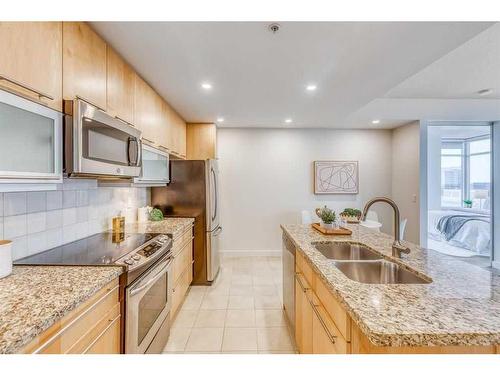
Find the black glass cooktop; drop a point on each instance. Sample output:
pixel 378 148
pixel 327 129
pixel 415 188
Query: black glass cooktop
pixel 99 249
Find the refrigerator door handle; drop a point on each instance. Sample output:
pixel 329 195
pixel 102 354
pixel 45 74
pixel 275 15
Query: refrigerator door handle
pixel 217 231
pixel 214 215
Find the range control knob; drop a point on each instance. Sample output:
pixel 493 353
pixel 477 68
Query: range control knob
pixel 136 257
pixel 129 261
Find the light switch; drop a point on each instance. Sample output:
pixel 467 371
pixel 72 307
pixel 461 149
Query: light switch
pixel 414 198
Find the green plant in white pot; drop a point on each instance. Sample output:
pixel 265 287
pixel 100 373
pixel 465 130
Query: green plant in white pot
pixel 327 217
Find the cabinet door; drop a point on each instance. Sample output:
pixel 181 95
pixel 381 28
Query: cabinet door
pixel 201 141
pixel 326 337
pixel 144 109
pixel 32 59
pixel 303 317
pixel 84 64
pixel 120 87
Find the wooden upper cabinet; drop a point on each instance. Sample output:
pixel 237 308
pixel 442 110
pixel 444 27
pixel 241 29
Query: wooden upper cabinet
pixel 31 59
pixel 120 87
pixel 148 112
pixel 84 64
pixel 201 141
pixel 177 128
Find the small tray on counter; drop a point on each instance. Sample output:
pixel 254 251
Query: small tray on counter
pixel 332 232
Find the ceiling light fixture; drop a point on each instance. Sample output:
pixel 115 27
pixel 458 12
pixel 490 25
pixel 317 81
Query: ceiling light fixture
pixel 206 85
pixel 311 87
pixel 288 120
pixel 220 119
pixel 485 92
pixel 375 122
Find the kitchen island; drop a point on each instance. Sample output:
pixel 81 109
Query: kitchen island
pixel 458 311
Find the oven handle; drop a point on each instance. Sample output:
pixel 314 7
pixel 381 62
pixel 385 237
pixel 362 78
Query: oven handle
pixel 152 279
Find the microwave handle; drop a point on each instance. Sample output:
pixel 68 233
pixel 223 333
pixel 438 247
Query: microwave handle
pixel 137 153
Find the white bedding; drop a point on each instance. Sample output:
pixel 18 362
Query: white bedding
pixel 474 235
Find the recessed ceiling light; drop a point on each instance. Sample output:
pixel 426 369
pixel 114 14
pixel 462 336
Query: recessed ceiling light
pixel 311 87
pixel 485 92
pixel 288 120
pixel 220 119
pixel 206 85
pixel 376 122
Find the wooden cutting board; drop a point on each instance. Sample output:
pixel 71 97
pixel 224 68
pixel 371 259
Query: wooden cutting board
pixel 332 232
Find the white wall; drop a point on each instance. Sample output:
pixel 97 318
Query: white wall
pixel 496 194
pixel 434 134
pixel 266 178
pixel 405 176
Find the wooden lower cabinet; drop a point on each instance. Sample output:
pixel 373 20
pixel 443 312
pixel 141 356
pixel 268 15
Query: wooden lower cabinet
pixel 327 339
pixel 322 325
pixel 303 316
pixel 182 269
pixel 93 327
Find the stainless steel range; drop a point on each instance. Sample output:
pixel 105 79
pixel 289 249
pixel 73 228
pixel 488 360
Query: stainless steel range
pixel 146 259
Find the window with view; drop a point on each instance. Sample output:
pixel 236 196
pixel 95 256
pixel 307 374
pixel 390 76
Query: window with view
pixel 465 173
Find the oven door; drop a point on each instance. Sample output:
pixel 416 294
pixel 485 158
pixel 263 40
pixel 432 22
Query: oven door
pixel 148 303
pixel 102 144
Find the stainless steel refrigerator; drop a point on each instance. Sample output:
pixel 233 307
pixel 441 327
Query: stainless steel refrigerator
pixel 193 191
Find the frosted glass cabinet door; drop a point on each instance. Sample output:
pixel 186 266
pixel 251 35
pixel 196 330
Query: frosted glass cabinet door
pixel 30 141
pixel 154 165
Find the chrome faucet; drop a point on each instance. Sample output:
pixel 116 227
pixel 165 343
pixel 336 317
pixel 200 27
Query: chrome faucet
pixel 397 246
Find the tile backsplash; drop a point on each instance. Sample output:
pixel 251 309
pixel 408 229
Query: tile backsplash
pixel 37 221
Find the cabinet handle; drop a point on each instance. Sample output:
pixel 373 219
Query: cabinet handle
pixel 331 337
pixel 298 277
pixel 40 94
pixel 91 103
pixel 122 120
pixel 148 140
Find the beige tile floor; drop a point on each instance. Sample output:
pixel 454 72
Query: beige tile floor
pixel 240 313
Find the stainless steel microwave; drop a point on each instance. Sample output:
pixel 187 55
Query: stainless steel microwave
pixel 99 145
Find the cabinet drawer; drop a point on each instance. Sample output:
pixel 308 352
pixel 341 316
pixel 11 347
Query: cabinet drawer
pixel 182 260
pixel 95 331
pixel 67 332
pixel 332 306
pixel 326 337
pixel 180 240
pixel 304 267
pixel 108 342
pixel 82 325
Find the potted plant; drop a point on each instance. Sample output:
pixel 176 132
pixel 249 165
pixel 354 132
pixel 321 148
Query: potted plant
pixel 467 203
pixel 327 217
pixel 351 215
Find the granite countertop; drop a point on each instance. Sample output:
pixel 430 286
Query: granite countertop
pixel 460 307
pixel 170 225
pixel 33 298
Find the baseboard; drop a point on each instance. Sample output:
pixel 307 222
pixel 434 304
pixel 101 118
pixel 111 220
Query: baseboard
pixel 250 253
pixel 496 264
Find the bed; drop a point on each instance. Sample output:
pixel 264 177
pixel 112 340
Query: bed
pixel 473 233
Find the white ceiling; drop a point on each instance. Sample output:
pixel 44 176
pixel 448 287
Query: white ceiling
pixel 396 72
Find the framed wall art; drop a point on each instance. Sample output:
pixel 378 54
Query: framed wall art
pixel 336 177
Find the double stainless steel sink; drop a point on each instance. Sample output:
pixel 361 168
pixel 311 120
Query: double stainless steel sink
pixel 362 264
